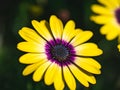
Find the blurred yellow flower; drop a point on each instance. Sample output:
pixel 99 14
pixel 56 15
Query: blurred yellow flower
pixel 118 47
pixel 108 14
pixel 36 10
pixel 59 53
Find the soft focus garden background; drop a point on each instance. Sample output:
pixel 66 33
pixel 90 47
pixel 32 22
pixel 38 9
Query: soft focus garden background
pixel 14 14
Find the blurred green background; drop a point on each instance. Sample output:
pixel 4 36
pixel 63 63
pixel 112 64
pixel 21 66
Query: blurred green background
pixel 15 14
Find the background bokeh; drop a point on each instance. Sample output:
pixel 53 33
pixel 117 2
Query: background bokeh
pixel 15 14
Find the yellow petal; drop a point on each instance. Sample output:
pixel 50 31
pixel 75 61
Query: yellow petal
pixel 58 80
pixel 42 28
pixel 84 75
pixel 30 58
pixel 56 26
pixel 31 68
pixel 78 74
pixel 110 4
pixel 30 47
pixel 118 46
pixel 81 38
pixel 69 31
pixel 111 31
pixel 101 10
pixel 37 76
pixel 104 29
pixel 69 79
pixel 112 35
pixel 114 31
pixel 104 2
pixel 88 49
pixel 86 66
pixel 89 61
pixel 30 35
pixel 115 3
pixel 50 74
pixel 91 78
pixel 118 39
pixel 78 30
pixel 102 19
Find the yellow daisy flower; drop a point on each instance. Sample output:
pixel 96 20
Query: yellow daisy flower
pixel 59 54
pixel 108 14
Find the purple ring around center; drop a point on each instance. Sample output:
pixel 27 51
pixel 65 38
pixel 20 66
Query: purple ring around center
pixel 117 15
pixel 52 43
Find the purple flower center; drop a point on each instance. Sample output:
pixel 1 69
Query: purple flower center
pixel 60 52
pixel 117 14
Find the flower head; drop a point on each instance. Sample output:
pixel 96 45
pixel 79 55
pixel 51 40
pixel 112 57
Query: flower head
pixel 59 54
pixel 108 14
